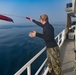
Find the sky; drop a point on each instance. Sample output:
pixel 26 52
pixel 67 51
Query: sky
pixel 19 9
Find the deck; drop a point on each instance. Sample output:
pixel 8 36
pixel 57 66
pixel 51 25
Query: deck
pixel 67 53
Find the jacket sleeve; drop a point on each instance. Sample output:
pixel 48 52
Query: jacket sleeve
pixel 47 34
pixel 43 36
pixel 38 23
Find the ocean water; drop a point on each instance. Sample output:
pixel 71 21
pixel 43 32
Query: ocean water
pixel 17 48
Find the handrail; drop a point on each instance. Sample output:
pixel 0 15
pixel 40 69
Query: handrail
pixel 29 63
pixel 60 37
pixel 41 67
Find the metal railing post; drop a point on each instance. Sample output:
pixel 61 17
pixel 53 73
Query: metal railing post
pixel 29 70
pixel 63 36
pixel 58 39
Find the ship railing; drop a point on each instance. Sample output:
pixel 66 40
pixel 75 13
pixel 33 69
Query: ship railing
pixel 59 38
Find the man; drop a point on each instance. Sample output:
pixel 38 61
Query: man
pixel 53 53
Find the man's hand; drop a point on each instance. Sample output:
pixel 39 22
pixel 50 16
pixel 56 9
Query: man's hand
pixel 32 34
pixel 29 18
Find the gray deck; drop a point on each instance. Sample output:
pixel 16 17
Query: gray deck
pixel 67 52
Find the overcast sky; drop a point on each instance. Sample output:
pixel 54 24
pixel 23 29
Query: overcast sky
pixel 55 9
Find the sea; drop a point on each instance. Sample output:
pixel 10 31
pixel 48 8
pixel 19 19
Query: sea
pixel 17 48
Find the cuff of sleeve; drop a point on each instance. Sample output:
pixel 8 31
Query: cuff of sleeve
pixel 33 20
pixel 36 34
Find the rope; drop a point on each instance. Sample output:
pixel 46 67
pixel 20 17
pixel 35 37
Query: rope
pixel 14 15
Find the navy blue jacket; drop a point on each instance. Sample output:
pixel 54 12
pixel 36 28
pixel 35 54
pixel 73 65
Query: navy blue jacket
pixel 48 34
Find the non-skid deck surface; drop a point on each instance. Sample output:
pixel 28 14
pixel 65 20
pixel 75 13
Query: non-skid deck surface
pixel 67 53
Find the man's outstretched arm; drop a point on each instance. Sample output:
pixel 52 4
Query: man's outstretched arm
pixel 36 22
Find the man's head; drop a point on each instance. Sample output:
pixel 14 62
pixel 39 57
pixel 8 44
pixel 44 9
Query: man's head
pixel 43 18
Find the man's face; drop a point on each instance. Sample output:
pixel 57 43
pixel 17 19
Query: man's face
pixel 41 20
